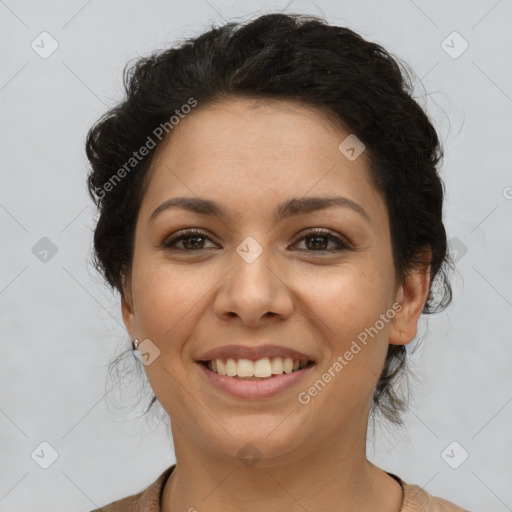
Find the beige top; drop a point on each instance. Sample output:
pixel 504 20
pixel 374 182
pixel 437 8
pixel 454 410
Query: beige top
pixel 149 500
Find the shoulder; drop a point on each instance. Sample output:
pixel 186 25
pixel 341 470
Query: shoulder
pixel 418 500
pixel 148 500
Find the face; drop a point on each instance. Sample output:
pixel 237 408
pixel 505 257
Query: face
pixel 261 274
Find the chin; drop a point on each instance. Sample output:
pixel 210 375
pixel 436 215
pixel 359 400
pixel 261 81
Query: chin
pixel 261 440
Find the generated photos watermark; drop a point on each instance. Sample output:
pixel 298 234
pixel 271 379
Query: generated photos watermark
pixel 305 397
pixel 137 156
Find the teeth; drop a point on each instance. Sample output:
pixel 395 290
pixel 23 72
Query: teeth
pixel 231 367
pixel 262 368
pixel 221 367
pixel 277 366
pixel 245 368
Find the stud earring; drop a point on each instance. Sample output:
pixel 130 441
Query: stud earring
pixel 135 343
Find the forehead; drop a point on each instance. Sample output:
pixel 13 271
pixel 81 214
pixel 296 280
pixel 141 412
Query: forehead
pixel 242 128
pixel 249 151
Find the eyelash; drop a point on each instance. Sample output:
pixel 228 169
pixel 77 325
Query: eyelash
pixel 191 233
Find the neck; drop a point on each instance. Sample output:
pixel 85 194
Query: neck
pixel 318 477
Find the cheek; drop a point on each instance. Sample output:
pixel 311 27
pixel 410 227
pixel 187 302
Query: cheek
pixel 346 310
pixel 347 299
pixel 348 305
pixel 166 297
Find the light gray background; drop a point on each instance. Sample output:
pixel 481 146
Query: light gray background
pixel 60 326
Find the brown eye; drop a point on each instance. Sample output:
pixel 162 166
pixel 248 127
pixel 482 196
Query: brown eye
pixel 193 240
pixel 318 241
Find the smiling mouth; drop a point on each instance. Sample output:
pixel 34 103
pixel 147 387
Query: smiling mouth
pixel 264 368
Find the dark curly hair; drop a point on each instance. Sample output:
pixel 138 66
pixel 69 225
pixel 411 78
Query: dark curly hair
pixel 289 57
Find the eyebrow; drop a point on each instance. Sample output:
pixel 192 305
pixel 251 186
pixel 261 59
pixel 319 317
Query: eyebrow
pixel 290 208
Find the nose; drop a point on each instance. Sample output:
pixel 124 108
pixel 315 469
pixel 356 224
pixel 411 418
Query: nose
pixel 254 291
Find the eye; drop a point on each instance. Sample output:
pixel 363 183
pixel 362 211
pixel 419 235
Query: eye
pixel 319 240
pixel 191 239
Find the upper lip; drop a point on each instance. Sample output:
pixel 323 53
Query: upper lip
pixel 252 352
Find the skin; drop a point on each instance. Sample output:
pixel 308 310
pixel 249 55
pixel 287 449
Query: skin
pixel 250 156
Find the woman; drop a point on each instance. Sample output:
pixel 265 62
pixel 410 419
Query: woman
pixel 271 215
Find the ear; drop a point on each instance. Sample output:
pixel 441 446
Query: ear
pixel 128 309
pixel 412 295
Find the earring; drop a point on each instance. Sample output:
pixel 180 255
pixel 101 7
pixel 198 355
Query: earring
pixel 135 344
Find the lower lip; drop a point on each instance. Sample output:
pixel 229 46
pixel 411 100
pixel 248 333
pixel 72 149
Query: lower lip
pixel 267 388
